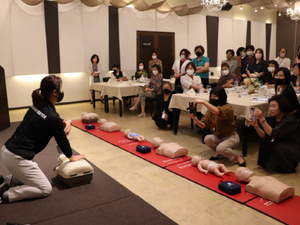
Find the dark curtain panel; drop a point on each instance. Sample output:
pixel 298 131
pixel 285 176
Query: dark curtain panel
pixel 114 44
pixel 52 36
pixel 212 27
pixel 268 40
pixel 248 37
pixel 4 114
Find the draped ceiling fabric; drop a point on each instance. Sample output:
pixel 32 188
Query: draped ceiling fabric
pixel 180 7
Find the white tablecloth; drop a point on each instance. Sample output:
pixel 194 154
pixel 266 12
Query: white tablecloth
pixel 121 89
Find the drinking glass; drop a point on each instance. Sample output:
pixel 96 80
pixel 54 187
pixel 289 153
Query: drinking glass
pixel 208 88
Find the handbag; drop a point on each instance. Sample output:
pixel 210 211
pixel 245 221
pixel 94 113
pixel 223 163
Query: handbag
pixel 230 187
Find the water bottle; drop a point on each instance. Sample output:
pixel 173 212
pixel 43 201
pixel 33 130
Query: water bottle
pixel 236 84
pixel 260 91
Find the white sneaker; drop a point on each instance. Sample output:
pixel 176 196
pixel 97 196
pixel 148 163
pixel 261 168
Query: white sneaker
pixel 142 115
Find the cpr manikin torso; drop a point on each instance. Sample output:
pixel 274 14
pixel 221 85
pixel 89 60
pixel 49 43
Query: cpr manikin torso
pixel 264 186
pixel 171 150
pixel 109 126
pixel 205 166
pixel 134 136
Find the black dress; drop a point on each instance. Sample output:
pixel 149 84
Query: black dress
pixel 280 151
pixel 162 105
pixel 291 96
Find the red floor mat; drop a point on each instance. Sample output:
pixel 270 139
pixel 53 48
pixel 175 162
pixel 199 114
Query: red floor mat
pixel 210 181
pixel 159 160
pixel 286 211
pixel 115 138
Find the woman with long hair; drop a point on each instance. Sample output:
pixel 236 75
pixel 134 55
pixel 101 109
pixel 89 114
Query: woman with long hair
pixel 39 125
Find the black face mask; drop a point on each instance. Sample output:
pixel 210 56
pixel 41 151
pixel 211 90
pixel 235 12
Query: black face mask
pixel 115 71
pixel 214 102
pixel 166 91
pixel 279 81
pixel 199 53
pixel 60 96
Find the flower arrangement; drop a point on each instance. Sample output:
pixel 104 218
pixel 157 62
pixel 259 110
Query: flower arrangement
pixel 252 83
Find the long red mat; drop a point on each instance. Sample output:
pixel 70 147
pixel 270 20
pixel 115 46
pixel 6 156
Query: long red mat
pixel 115 138
pixel 211 181
pixel 159 160
pixel 286 211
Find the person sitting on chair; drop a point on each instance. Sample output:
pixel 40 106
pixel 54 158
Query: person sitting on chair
pixel 151 91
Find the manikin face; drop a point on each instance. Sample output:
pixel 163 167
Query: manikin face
pixel 274 108
pixel 243 174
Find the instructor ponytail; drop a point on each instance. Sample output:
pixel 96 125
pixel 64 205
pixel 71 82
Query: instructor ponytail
pixel 40 96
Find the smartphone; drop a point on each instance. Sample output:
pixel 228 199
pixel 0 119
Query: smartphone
pixel 252 114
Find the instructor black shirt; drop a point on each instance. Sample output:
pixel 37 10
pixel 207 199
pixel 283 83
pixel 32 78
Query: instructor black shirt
pixel 36 130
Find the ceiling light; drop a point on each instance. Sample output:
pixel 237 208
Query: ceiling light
pixel 275 5
pixel 262 7
pixel 241 8
pixel 279 13
pixel 214 5
pixel 294 14
pixel 255 10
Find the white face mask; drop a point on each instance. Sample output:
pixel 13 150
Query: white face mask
pixel 155 72
pixel 182 57
pixel 271 69
pixel 243 54
pixel 141 67
pixel 258 56
pixel 190 72
pixel 225 72
pixel 154 57
pixel 249 52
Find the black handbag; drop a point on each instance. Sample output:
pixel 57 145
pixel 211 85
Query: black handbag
pixel 230 187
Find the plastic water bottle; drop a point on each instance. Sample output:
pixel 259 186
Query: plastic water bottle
pixel 260 91
pixel 236 84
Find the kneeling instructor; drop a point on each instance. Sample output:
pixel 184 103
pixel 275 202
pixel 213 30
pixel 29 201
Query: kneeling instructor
pixel 39 125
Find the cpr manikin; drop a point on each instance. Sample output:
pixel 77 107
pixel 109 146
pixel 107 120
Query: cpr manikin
pixel 89 117
pixel 134 136
pixel 171 150
pixel 264 186
pixel 205 166
pixel 109 126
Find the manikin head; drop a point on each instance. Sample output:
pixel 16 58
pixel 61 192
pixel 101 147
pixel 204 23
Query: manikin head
pixel 243 174
pixel 102 121
pixel 196 159
pixel 127 131
pixel 156 142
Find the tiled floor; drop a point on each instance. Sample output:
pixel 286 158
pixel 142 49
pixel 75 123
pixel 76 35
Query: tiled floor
pixel 180 199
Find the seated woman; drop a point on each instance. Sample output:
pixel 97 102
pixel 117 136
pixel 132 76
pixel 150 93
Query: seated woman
pixel 219 118
pixel 151 91
pixel 280 148
pixel 257 66
pixel 189 80
pixel 296 75
pixel 117 74
pixel 141 72
pixel 227 79
pixel 269 77
pixel 163 116
pixel 283 87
